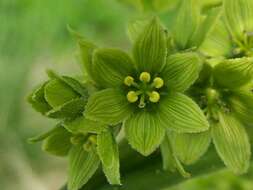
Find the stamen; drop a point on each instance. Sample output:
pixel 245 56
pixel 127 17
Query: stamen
pixel 154 96
pixel 158 82
pixel 132 96
pixel 128 80
pixel 145 77
pixel 142 103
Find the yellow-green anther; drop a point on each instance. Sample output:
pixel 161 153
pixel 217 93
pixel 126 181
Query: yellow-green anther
pixel 132 96
pixel 93 139
pixel 145 77
pixel 158 82
pixel 78 139
pixel 128 80
pixel 154 96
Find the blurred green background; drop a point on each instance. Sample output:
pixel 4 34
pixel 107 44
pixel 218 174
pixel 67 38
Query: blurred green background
pixel 33 37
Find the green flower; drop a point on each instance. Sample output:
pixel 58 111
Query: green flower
pixel 227 101
pixel 233 35
pixel 144 93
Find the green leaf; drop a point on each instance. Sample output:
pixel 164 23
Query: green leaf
pixel 241 103
pixel 37 100
pixel 207 24
pixel 232 143
pixel 111 66
pixel 150 47
pixel 58 143
pixel 180 113
pixel 109 106
pixel 181 71
pixel 170 160
pixel 186 23
pixel 190 147
pixel 82 165
pixel 70 109
pixel 233 73
pixel 239 17
pixel 144 132
pixel 218 42
pixel 73 83
pixel 135 28
pixel 108 152
pixel 84 125
pixel 58 93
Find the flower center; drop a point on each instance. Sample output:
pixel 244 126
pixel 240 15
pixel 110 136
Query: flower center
pixel 143 90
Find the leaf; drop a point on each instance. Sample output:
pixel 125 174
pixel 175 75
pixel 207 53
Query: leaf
pixel 207 24
pixel 241 103
pixel 111 66
pixel 58 93
pixel 144 132
pixel 135 28
pixel 82 165
pixel 170 160
pixel 218 42
pixel 239 17
pixel 181 114
pixel 186 23
pixel 109 106
pixel 149 49
pixel 71 82
pixel 58 143
pixel 108 152
pixel 181 71
pixel 69 109
pixel 189 147
pixel 37 100
pixel 233 73
pixel 232 143
pixel 84 125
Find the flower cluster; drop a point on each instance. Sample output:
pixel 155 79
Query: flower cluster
pixel 180 89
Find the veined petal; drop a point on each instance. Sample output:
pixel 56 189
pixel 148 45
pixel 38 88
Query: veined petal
pixel 108 152
pixel 82 165
pixel 187 21
pixel 108 106
pixel 144 132
pixel 218 42
pixel 232 143
pixel 181 70
pixel 190 147
pixel 180 113
pixel 234 73
pixel 111 66
pixel 135 28
pixel 239 17
pixel 150 48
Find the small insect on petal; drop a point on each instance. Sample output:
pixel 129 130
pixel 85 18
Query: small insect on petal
pixel 154 96
pixel 145 77
pixel 132 96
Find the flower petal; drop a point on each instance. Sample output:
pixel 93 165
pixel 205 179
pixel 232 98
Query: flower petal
pixel 232 143
pixel 186 23
pixel 109 106
pixel 82 165
pixel 190 147
pixel 181 70
pixel 239 17
pixel 233 73
pixel 180 113
pixel 150 48
pixel 108 152
pixel 144 132
pixel 111 66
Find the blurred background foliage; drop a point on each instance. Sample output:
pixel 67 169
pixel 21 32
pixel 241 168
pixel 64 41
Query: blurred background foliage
pixel 33 37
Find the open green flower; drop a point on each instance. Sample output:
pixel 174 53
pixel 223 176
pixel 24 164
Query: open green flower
pixel 144 93
pixel 227 100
